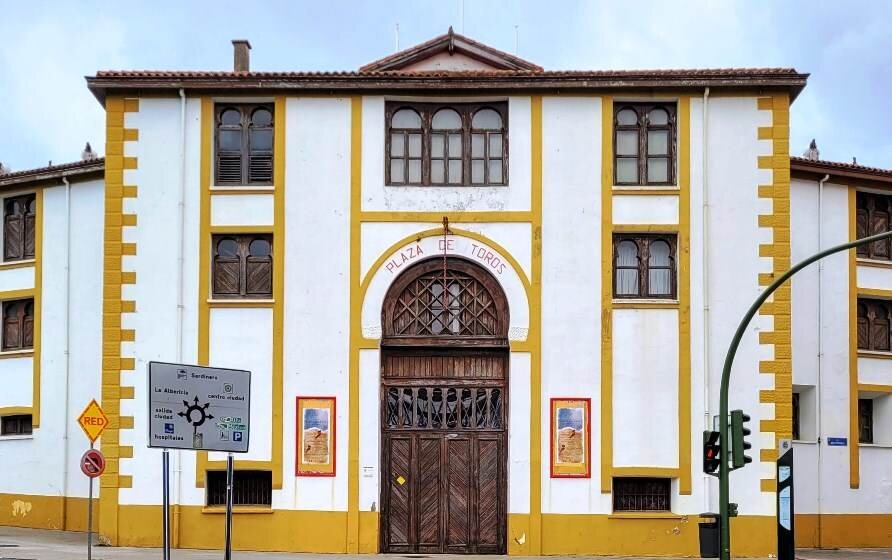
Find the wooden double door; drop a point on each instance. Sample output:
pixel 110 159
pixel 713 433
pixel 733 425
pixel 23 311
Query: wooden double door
pixel 444 452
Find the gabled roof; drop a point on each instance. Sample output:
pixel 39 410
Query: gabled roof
pixel 53 173
pixel 451 43
pixel 850 170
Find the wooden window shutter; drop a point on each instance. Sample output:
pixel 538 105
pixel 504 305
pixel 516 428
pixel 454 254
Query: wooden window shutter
pixel 18 324
pixel 229 144
pixel 259 268
pixel 243 266
pixel 227 265
pixel 30 223
pixel 863 328
pixel 28 325
pixel 13 230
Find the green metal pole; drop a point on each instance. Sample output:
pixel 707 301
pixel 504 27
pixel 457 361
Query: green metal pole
pixel 724 471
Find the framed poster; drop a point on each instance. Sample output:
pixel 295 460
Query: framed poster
pixel 571 442
pixel 316 436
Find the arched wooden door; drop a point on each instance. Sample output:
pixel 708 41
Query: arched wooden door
pixel 444 411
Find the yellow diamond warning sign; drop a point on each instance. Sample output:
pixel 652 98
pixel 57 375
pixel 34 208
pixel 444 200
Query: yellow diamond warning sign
pixel 93 421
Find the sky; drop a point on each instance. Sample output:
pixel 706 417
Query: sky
pixel 48 47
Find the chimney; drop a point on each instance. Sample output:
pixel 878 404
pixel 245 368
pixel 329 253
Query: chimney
pixel 241 55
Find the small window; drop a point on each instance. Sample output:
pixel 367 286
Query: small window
pixel 243 266
pixel 446 144
pixel 18 324
pixel 244 144
pixel 874 316
pixel 872 218
pixel 644 144
pixel 19 218
pixel 865 420
pixel 644 266
pixel 641 494
pixel 249 488
pixel 16 425
pixel 796 428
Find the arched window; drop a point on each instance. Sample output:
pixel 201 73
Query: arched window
pixel 19 219
pixel 873 217
pixel 244 144
pixel 243 266
pixel 874 320
pixel 446 143
pixel 644 144
pixel 405 147
pixel 472 304
pixel 446 148
pixel 627 268
pixel 487 148
pixel 18 324
pixel 863 327
pixel 644 266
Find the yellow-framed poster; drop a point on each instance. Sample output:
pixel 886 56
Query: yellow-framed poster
pixel 316 436
pixel 571 448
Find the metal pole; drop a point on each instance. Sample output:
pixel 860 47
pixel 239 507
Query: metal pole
pixel 227 555
pixel 724 471
pixel 90 519
pixel 165 501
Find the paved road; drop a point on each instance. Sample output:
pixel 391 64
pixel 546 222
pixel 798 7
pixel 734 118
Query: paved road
pixel 33 544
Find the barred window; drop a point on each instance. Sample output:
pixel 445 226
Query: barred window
pixel 244 144
pixel 644 266
pixel 16 425
pixel 644 144
pixel 243 266
pixel 873 324
pixel 446 144
pixel 872 218
pixel 18 324
pixel 641 494
pixel 249 488
pixel 19 218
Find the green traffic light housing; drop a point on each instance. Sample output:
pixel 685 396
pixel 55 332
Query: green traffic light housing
pixel 739 444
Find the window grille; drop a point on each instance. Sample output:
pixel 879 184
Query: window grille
pixel 641 494
pixel 249 488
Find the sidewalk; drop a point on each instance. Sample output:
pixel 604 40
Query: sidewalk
pixel 35 544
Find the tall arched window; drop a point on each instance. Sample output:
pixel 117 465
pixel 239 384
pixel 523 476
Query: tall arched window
pixel 405 147
pixel 487 148
pixel 872 218
pixel 644 143
pixel 874 319
pixel 244 144
pixel 644 266
pixel 446 148
pixel 18 324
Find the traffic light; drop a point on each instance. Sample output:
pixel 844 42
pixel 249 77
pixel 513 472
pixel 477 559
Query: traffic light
pixel 712 451
pixel 739 433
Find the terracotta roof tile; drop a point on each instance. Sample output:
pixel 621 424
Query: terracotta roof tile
pixel 819 166
pixel 51 172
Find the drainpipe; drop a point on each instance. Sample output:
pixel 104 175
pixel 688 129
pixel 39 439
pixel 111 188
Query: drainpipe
pixel 820 344
pixel 707 419
pixel 181 251
pixel 65 453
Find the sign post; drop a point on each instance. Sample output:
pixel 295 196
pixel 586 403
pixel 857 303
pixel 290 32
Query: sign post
pixel 201 409
pixel 93 421
pixel 786 548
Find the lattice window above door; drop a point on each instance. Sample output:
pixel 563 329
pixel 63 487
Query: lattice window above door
pixel 455 299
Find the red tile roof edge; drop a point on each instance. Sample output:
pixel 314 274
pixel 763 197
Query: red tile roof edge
pixel 51 172
pixel 824 166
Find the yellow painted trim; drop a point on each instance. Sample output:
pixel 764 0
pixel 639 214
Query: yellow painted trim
pixel 8 354
pixel 645 515
pixel 20 264
pixel 353 526
pixel 241 303
pixel 13 410
pixel 779 308
pixel 227 191
pixel 874 388
pixel 534 338
pixel 632 191
pixel 244 229
pixel 683 257
pixel 854 452
pixel 113 307
pixel 629 304
pixel 659 472
pixel 275 464
pixel 238 510
pixel 875 293
pixel 606 294
pixel 509 216
pixel 643 228
pixel 18 294
pixel 875 355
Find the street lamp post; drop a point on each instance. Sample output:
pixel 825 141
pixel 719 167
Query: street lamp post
pixel 724 470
